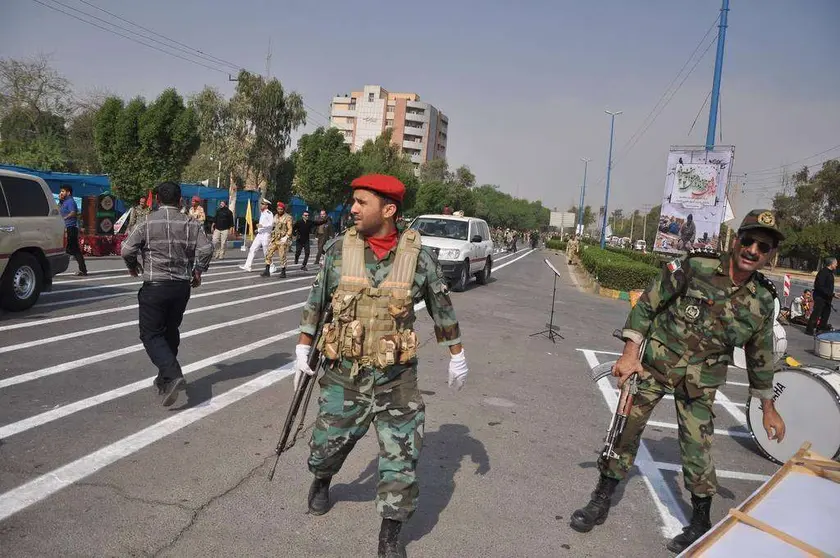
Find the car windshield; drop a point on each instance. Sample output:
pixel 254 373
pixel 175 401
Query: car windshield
pixel 442 228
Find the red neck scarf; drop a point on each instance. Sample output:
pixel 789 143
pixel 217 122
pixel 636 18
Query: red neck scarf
pixel 383 244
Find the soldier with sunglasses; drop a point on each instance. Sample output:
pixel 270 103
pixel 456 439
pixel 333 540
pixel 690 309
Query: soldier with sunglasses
pixel 692 317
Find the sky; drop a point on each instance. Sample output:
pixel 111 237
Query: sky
pixel 524 84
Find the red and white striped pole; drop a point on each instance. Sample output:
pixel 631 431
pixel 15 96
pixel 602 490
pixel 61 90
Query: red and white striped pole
pixel 787 287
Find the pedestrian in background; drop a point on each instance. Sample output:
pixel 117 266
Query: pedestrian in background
pixel 281 237
pixel 222 225
pixel 823 296
pixel 323 233
pixel 70 212
pixel 196 211
pixel 171 251
pixel 263 237
pixel 303 229
pixel 139 213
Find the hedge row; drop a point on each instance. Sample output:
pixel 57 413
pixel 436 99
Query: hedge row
pixel 650 258
pixel 556 245
pixel 615 270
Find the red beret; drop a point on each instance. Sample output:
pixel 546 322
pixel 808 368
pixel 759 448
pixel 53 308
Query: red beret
pixel 281 204
pixel 388 186
pixel 196 198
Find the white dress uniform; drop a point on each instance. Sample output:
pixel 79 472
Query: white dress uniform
pixel 261 239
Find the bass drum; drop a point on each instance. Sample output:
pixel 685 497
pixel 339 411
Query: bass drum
pixel 808 399
pixel 739 359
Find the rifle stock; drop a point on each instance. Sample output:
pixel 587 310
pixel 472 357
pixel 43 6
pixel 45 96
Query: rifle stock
pixel 622 412
pixel 301 397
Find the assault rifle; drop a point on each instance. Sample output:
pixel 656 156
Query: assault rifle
pixel 625 403
pixel 302 395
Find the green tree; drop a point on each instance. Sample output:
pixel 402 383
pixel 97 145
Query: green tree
pixel 381 156
pixel 464 177
pixel 140 146
pixel 436 170
pixel 324 168
pixel 251 132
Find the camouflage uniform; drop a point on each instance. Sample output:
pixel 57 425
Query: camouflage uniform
pixel 693 316
pixel 353 396
pixel 282 227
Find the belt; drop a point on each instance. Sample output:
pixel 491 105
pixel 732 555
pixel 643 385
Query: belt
pixel 164 283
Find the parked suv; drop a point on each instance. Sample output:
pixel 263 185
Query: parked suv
pixel 31 240
pixel 463 246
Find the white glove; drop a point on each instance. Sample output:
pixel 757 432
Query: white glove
pixel 302 363
pixel 285 239
pixel 458 370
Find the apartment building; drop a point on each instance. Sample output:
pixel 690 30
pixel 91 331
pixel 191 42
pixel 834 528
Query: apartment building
pixel 419 129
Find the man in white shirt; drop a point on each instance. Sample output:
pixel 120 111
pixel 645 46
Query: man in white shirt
pixel 263 237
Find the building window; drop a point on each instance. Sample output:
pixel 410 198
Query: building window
pixel 389 122
pixel 370 97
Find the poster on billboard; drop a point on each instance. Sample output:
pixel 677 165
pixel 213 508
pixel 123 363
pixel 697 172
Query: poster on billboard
pixel 562 219
pixel 694 203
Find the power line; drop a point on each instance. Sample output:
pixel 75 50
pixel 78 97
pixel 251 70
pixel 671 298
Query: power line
pixel 151 45
pixel 209 56
pixel 777 169
pixel 134 39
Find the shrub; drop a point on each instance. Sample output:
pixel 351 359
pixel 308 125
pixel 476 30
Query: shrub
pixel 649 258
pixel 556 245
pixel 615 270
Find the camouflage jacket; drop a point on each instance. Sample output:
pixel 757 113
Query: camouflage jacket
pixel 694 316
pixel 282 226
pixel 429 286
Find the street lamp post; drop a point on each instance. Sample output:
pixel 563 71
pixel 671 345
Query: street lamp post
pixel 582 194
pixel 609 168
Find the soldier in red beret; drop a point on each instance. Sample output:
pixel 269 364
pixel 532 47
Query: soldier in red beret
pixel 370 348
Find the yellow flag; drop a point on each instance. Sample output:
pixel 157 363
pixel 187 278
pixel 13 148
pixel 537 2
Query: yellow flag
pixel 249 223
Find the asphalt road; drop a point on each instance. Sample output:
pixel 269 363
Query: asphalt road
pixel 92 465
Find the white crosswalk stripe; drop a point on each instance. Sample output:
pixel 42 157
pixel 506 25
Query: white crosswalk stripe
pixel 77 370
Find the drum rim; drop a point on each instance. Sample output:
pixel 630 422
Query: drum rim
pixel 819 337
pixel 818 377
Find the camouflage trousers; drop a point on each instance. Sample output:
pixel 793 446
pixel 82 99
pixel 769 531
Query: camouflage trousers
pixel 396 409
pixel 695 421
pixel 276 246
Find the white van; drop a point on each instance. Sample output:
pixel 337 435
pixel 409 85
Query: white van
pixel 640 245
pixel 463 246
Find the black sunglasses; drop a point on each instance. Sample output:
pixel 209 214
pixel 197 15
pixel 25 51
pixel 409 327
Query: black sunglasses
pixel 747 241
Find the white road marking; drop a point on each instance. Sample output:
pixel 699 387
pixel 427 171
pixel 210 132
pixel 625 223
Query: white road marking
pixel 122 269
pixel 734 432
pixel 66 410
pixel 720 399
pixel 48 484
pixel 512 261
pixel 666 503
pixel 720 472
pixel 742 384
pixel 124 274
pixel 131 306
pixel 732 408
pixel 64 367
pixel 83 332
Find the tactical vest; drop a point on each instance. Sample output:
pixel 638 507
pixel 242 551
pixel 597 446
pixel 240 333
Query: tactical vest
pixel 373 326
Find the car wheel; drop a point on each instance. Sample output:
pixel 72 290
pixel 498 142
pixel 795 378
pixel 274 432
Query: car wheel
pixel 22 282
pixel 463 279
pixel 483 275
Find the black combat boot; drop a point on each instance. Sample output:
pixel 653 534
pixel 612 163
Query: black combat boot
pixel 282 273
pixel 267 272
pixel 700 523
pixel 389 540
pixel 596 511
pixel 319 496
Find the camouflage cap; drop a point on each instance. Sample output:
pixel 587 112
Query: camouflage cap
pixel 762 219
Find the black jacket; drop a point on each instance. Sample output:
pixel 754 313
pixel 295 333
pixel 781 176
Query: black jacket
pixel 303 229
pixel 824 284
pixel 224 218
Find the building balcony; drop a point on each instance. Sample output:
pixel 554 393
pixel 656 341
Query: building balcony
pixel 412 143
pixel 343 112
pixel 343 126
pixel 414 130
pixel 414 117
pixel 416 158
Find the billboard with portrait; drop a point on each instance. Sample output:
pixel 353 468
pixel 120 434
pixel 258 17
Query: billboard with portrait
pixel 694 203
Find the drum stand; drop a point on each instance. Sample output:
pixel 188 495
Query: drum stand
pixel 551 331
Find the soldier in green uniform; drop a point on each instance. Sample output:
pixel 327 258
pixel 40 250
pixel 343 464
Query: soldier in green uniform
pixel 692 318
pixel 372 277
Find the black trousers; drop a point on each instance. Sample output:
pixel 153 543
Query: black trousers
pixel 74 249
pixel 301 245
pixel 162 306
pixel 822 310
pixel 322 240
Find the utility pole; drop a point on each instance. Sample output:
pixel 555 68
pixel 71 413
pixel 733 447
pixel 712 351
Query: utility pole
pixel 713 107
pixel 632 224
pixel 268 60
pixel 582 194
pixel 609 168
